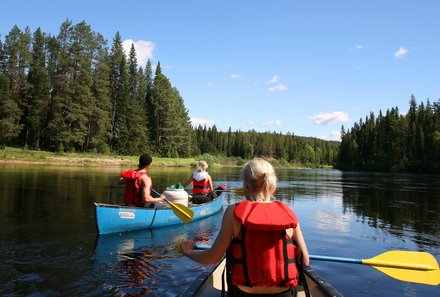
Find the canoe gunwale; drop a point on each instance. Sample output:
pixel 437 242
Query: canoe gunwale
pixel 201 279
pixel 108 216
pixel 321 283
pixel 109 205
pixel 321 286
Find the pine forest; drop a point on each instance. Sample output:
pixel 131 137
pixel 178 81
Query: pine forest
pixel 74 92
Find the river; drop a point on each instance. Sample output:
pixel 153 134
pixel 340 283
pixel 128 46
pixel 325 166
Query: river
pixel 49 245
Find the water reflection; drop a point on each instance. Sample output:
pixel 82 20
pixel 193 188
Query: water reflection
pixel 48 244
pixel 144 263
pixel 404 205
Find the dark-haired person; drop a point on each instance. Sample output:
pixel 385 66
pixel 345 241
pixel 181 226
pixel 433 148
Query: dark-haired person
pixel 138 185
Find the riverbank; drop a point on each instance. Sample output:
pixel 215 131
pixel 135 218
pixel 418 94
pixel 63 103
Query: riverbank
pixel 22 156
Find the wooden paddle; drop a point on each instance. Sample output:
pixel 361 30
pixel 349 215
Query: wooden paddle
pixel 181 211
pixel 416 267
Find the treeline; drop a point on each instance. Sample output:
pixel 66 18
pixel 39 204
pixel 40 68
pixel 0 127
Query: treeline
pixel 74 93
pixel 394 142
pixel 306 151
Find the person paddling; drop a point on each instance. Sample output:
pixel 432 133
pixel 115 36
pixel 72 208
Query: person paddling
pixel 138 185
pixel 202 184
pixel 265 248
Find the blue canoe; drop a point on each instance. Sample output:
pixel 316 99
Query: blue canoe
pixel 111 218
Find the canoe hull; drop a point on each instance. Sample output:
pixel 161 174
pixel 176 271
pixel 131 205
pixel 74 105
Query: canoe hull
pixel 111 218
pixel 210 283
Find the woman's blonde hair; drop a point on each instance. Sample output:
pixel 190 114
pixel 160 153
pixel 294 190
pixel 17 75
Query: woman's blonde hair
pixel 202 166
pixel 260 178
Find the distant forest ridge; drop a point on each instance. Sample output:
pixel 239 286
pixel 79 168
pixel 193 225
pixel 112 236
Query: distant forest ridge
pixel 394 142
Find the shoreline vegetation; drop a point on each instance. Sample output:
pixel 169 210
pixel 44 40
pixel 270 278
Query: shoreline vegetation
pixel 10 155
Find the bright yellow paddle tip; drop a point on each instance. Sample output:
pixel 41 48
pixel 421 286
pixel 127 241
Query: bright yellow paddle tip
pixel 417 267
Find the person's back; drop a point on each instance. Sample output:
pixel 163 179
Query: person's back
pixel 138 184
pixel 133 190
pixel 263 239
pixel 202 184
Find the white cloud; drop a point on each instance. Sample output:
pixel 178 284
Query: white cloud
pixel 334 135
pixel 202 122
pixel 402 52
pixel 272 123
pixel 144 50
pixel 324 118
pixel 273 80
pixel 277 88
pixel 236 76
pixel 356 48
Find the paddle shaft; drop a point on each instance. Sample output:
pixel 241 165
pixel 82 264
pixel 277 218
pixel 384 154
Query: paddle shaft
pixel 355 261
pixel 372 262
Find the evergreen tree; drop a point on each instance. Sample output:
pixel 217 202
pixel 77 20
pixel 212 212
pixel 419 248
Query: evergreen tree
pixel 99 121
pixel 17 60
pixel 9 113
pixel 60 114
pixel 119 92
pixel 73 101
pixel 136 117
pixel 148 99
pixel 39 93
pixel 2 58
pixel 171 125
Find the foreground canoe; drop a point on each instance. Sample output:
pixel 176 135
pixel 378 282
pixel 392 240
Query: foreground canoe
pixel 111 218
pixel 209 283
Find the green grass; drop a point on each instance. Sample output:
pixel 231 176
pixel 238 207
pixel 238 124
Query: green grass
pixel 17 155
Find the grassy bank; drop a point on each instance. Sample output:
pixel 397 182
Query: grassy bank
pixel 16 155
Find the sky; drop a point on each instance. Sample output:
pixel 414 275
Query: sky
pixel 289 66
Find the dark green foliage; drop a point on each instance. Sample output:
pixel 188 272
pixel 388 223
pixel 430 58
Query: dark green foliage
pixel 298 150
pixel 394 142
pixel 9 114
pixel 37 100
pixel 70 92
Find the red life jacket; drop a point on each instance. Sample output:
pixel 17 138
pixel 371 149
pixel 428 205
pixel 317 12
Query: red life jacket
pixel 200 187
pixel 133 192
pixel 263 254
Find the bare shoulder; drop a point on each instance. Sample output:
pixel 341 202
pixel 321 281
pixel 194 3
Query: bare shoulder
pixel 145 179
pixel 229 212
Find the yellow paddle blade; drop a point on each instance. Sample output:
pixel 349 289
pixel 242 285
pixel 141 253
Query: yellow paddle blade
pixel 181 211
pixel 417 267
pixel 239 192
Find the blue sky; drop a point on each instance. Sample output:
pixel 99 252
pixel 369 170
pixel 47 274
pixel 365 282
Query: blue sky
pixel 305 67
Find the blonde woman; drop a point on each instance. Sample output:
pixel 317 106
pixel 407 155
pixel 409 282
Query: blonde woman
pixel 254 234
pixel 202 183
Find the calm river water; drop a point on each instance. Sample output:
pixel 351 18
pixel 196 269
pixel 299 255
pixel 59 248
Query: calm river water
pixel 49 246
